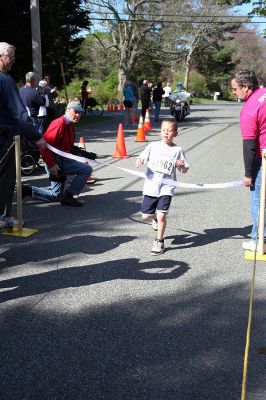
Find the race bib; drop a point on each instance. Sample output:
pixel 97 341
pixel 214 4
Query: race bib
pixel 162 164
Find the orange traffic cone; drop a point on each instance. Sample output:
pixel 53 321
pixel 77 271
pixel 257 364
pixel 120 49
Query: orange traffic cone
pixel 121 108
pixel 147 121
pixel 140 137
pixel 115 108
pixel 82 143
pixel 120 149
pixel 111 107
pixel 108 108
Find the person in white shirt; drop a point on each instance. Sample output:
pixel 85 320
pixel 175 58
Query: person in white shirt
pixel 163 158
pixel 167 91
pixel 42 114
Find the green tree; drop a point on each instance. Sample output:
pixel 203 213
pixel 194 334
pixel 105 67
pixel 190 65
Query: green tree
pixel 128 24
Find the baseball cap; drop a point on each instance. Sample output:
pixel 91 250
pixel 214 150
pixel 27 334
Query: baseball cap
pixel 75 105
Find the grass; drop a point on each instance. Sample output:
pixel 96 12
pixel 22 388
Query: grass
pixel 88 119
pixel 200 100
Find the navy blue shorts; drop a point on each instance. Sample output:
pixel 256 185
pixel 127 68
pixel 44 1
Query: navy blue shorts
pixel 152 204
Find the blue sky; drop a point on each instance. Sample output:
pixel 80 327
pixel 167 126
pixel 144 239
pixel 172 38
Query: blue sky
pixel 245 9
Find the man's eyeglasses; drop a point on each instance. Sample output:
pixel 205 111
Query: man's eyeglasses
pixel 238 88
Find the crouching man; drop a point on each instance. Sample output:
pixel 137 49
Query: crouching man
pixel 61 135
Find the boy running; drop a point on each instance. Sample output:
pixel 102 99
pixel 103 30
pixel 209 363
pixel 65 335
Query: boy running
pixel 163 158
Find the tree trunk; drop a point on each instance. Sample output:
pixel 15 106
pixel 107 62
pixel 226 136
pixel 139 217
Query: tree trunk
pixel 187 70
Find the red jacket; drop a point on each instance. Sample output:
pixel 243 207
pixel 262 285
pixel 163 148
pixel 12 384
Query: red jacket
pixel 59 135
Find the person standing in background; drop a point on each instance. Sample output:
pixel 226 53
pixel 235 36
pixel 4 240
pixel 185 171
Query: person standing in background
pixel 51 90
pixel 42 114
pixel 167 91
pixel 135 97
pixel 157 96
pixel 145 93
pixel 31 98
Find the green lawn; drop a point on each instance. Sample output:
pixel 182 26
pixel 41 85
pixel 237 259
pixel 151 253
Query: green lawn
pixel 88 119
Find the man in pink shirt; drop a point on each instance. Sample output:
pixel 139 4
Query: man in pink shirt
pixel 253 128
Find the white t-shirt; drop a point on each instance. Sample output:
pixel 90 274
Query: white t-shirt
pixel 161 165
pixel 167 91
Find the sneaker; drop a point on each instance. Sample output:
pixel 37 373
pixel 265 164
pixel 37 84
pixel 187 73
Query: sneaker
pixel 154 224
pixel 3 222
pixel 69 200
pixel 157 248
pixel 250 245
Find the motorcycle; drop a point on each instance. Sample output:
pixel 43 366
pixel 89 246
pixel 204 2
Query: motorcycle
pixel 179 107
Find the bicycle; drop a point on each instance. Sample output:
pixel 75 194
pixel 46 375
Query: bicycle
pixel 93 108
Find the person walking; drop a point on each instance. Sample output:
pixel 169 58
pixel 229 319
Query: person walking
pixel 135 97
pixel 128 103
pixel 13 119
pixel 157 96
pixel 145 95
pixel 163 158
pixel 253 128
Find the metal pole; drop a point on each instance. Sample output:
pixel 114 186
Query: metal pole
pixel 36 39
pixel 18 175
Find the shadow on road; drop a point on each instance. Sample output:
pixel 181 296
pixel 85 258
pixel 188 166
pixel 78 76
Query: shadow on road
pixel 70 277
pixel 168 347
pixel 195 239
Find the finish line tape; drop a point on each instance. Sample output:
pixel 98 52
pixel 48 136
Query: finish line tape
pixel 84 160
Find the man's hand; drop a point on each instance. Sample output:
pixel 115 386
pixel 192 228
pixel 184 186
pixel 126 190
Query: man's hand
pixel 54 170
pixel 247 181
pixel 41 143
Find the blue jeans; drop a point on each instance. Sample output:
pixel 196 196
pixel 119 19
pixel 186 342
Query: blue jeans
pixel 157 109
pixel 68 167
pixel 255 197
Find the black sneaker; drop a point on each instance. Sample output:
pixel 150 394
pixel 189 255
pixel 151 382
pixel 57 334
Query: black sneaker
pixel 69 200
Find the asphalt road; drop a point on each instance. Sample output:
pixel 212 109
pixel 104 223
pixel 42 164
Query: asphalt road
pixel 87 313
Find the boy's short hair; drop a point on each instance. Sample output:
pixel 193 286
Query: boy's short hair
pixel 171 121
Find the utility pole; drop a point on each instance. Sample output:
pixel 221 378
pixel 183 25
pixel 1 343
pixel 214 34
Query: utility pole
pixel 36 39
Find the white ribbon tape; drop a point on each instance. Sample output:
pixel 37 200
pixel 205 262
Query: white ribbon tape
pixel 68 155
pixel 84 160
